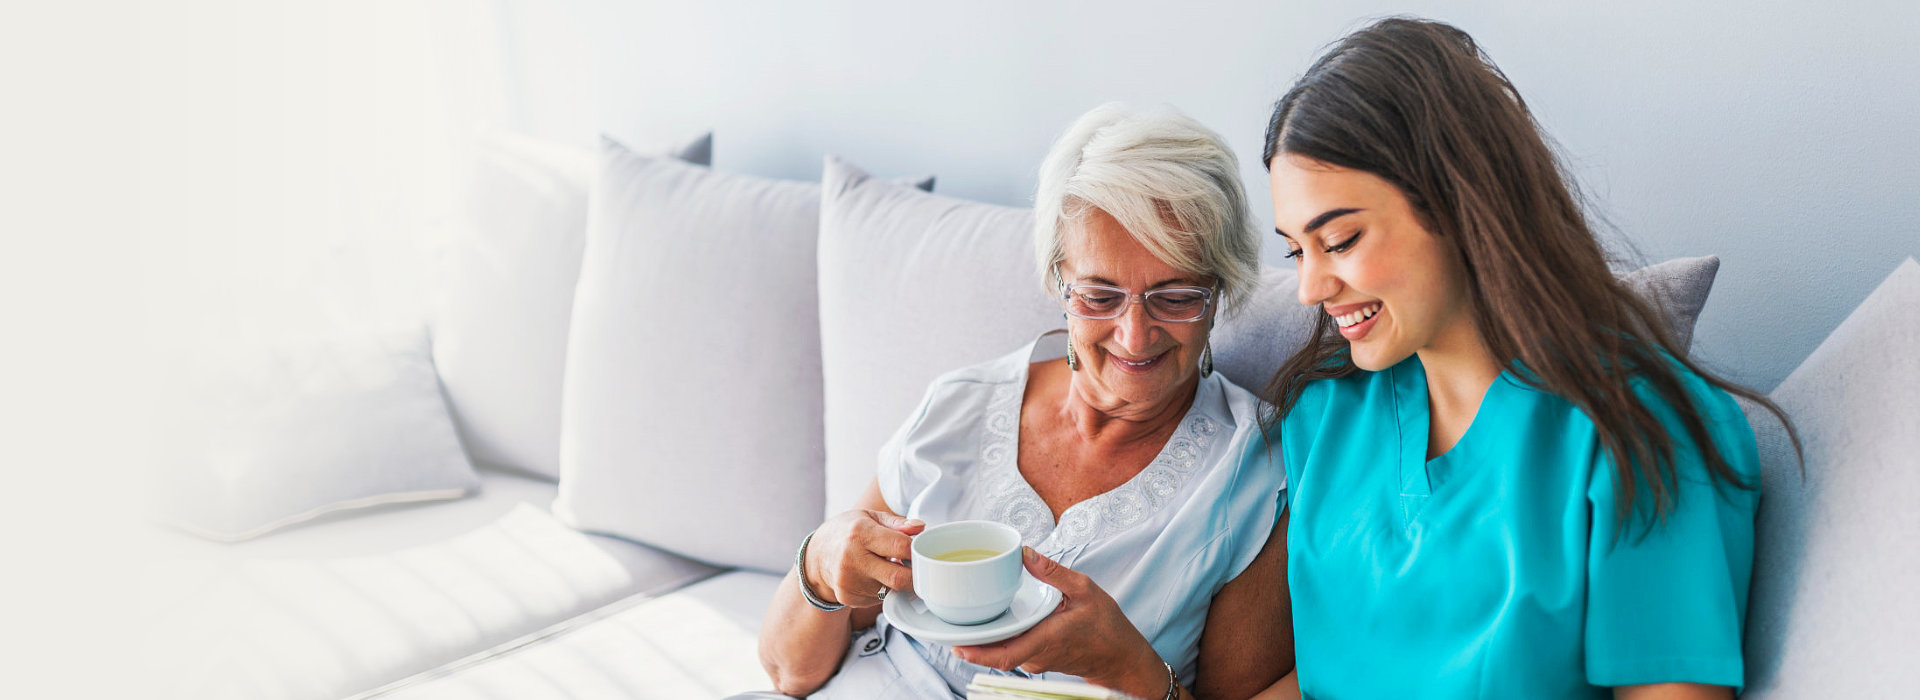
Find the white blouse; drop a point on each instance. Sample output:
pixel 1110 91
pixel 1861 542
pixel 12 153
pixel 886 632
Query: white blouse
pixel 1162 544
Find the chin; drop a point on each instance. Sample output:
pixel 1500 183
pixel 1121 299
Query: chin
pixel 1373 360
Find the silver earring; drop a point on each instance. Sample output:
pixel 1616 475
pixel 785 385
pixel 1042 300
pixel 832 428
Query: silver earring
pixel 1206 360
pixel 1073 361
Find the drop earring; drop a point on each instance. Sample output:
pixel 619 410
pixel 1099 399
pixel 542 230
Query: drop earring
pixel 1206 360
pixel 1073 361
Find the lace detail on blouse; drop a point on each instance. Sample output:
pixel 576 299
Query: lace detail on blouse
pixel 1011 500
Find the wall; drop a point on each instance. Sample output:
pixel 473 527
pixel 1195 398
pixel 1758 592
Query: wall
pixel 1780 139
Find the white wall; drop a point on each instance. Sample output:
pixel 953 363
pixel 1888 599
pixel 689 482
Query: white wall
pixel 1781 139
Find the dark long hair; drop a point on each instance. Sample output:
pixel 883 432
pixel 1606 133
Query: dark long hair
pixel 1420 105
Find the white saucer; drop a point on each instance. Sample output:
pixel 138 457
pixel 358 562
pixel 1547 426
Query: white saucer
pixel 1032 603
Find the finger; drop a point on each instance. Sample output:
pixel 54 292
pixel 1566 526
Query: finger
pixel 887 543
pixel 1050 572
pixel 1022 650
pixel 898 577
pixel 904 525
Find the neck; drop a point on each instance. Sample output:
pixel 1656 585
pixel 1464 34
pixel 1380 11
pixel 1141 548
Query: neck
pixel 1113 420
pixel 1459 369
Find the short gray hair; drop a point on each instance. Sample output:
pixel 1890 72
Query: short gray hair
pixel 1169 181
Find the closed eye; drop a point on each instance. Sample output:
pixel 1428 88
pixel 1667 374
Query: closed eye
pixel 1295 253
pixel 1343 246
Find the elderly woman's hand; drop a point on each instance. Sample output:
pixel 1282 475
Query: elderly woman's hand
pixel 854 553
pixel 1087 636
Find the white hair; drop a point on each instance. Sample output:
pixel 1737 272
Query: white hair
pixel 1169 181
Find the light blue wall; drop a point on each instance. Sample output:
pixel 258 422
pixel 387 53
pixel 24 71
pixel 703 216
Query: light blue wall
pixel 1781 139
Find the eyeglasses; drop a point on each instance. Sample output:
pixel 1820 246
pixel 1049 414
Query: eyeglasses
pixel 1170 305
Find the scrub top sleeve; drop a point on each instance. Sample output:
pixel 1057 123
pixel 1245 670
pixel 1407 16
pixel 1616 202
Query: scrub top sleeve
pixel 1666 600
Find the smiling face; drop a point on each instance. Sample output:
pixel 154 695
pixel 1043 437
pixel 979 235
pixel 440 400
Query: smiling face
pixel 1393 287
pixel 1132 360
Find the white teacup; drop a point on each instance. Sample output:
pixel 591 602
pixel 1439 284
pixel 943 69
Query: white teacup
pixel 981 583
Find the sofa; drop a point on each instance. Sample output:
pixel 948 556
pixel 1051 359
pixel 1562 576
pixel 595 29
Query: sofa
pixel 643 381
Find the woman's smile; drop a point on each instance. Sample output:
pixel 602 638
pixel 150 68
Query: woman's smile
pixel 1136 366
pixel 1355 320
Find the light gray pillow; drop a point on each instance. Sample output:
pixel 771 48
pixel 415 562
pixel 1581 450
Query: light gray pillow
pixel 1833 611
pixel 1248 347
pixel 1678 288
pixel 504 294
pixel 691 415
pixel 912 285
pixel 260 438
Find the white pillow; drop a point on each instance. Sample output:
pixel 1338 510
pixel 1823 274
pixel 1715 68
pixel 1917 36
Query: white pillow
pixel 505 295
pixel 261 439
pixel 912 285
pixel 692 404
pixel 1832 611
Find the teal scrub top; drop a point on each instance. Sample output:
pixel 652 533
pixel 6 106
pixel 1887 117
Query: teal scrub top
pixel 1494 570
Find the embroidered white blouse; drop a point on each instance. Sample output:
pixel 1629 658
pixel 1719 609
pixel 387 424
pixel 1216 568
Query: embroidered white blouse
pixel 1162 544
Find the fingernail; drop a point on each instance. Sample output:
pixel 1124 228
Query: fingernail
pixel 916 522
pixel 1027 554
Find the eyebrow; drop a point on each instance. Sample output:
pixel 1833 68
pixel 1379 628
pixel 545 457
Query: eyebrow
pixel 1320 220
pixel 1182 281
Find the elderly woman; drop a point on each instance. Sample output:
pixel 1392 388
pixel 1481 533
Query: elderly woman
pixel 1112 447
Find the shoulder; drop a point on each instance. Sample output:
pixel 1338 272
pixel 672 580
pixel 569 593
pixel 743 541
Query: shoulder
pixel 961 397
pixel 1323 398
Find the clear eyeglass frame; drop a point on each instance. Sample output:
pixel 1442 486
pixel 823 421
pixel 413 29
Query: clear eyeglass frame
pixel 1145 299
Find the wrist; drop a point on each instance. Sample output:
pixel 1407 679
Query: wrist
pixel 1146 677
pixel 808 590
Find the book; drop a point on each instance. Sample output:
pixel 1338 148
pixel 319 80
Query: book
pixel 987 686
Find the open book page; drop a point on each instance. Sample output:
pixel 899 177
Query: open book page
pixel 987 686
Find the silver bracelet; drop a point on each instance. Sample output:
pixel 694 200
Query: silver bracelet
pixel 1173 682
pixel 806 591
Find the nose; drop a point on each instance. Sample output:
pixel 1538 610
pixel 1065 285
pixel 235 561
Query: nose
pixel 1317 283
pixel 1132 328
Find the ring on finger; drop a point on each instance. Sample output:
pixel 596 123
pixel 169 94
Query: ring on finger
pixel 881 595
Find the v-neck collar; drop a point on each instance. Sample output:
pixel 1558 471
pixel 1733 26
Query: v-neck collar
pixel 1119 508
pixel 1414 419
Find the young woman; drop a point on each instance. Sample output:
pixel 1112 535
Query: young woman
pixel 1505 479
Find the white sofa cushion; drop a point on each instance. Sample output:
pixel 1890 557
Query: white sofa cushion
pixel 697 642
pixel 911 285
pixel 1833 611
pixel 258 437
pixel 692 411
pixel 299 628
pixel 504 295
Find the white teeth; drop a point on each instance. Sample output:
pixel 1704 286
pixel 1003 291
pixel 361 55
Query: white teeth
pixel 1357 316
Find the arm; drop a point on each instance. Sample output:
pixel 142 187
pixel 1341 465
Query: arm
pixel 847 562
pixel 1673 691
pixel 1287 688
pixel 1247 644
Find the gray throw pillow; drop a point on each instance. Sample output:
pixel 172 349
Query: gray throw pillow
pixel 1250 345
